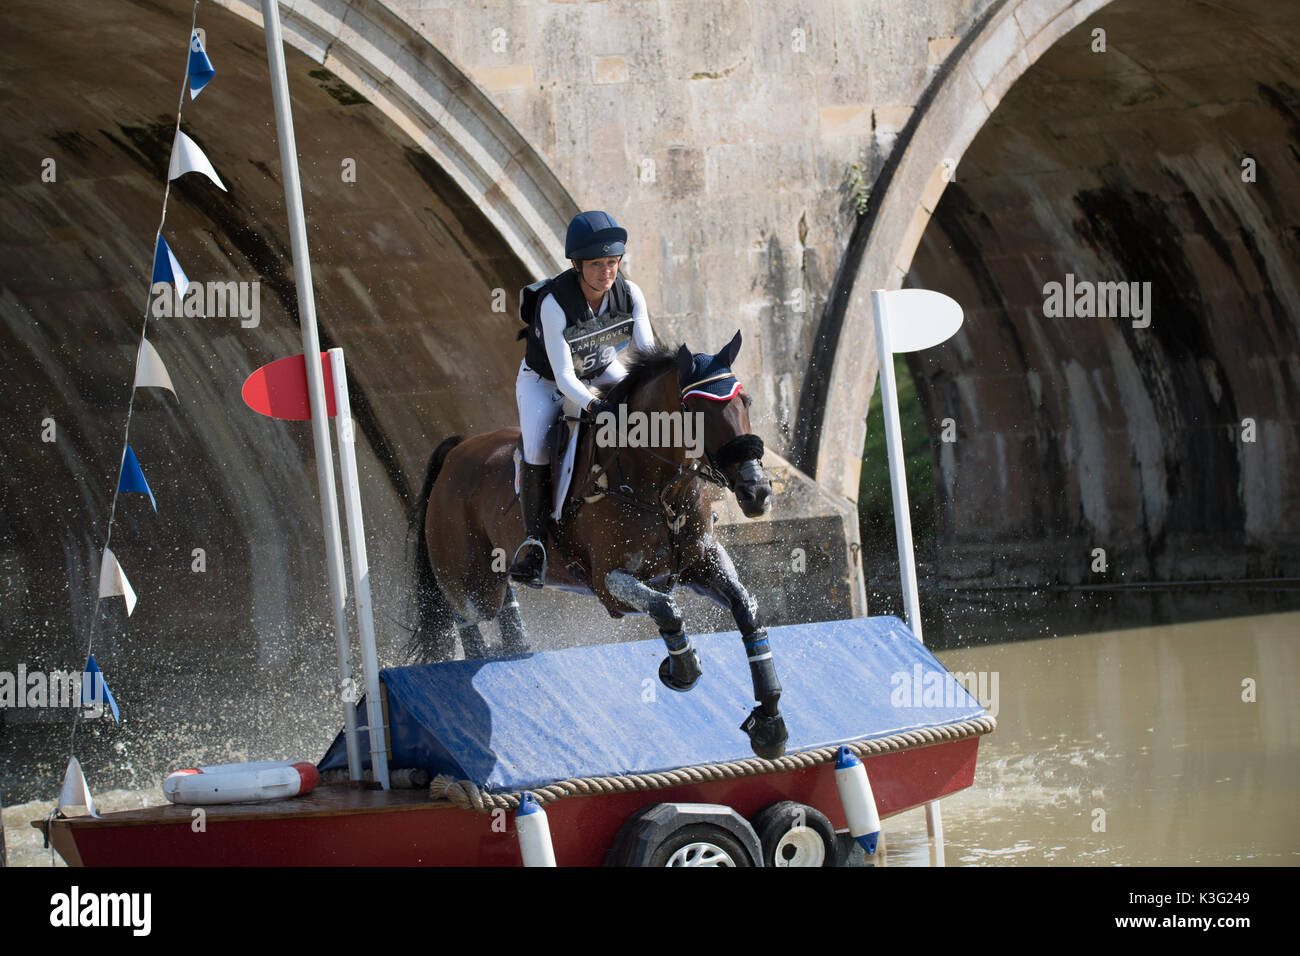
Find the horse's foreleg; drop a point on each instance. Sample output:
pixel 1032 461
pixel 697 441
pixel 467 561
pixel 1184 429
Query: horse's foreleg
pixel 717 579
pixel 681 669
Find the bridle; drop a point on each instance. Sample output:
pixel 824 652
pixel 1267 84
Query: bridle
pixel 740 448
pixel 711 467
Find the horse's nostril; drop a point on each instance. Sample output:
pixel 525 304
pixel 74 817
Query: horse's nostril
pixel 753 498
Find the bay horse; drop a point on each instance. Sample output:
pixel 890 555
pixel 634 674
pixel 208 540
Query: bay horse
pixel 636 524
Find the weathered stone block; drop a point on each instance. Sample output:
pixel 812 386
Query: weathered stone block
pixel 609 69
pixel 938 48
pixel 493 78
pixel 1033 15
pixel 709 41
pixel 845 121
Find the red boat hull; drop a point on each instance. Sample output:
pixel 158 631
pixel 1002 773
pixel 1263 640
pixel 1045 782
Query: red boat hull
pixel 345 826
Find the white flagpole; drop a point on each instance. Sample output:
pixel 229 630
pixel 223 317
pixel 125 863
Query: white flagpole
pixel 360 567
pixel 315 380
pixel 902 517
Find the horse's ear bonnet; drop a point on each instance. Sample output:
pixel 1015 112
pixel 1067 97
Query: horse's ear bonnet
pixel 709 376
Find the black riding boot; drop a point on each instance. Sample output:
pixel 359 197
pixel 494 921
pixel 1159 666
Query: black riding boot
pixel 529 565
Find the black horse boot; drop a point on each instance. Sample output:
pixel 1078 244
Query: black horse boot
pixel 529 565
pixel 765 725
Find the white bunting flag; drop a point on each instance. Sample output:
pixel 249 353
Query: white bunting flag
pixel 112 581
pixel 188 158
pixel 75 792
pixel 149 369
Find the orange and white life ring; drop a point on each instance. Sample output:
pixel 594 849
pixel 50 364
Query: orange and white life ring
pixel 241 782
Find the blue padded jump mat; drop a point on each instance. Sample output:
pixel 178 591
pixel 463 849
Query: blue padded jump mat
pixel 598 711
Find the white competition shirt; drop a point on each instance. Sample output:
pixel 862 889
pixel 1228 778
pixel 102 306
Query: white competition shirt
pixel 557 349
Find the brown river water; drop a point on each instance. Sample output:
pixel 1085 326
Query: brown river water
pixel 1131 748
pixel 1174 745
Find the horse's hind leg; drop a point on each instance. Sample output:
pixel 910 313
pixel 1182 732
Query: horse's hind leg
pixel 471 639
pixel 476 593
pixel 511 621
pixel 681 669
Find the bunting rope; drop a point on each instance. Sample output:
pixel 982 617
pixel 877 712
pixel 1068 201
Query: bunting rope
pixel 148 372
pixel 468 796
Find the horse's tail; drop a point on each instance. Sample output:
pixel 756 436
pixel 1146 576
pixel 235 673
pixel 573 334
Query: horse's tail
pixel 433 637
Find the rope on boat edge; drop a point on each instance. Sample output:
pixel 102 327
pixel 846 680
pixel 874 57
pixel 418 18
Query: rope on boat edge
pixel 466 795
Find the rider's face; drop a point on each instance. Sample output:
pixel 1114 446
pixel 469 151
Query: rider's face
pixel 600 273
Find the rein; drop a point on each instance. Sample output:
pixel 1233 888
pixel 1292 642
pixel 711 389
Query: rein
pixel 701 470
pixel 698 471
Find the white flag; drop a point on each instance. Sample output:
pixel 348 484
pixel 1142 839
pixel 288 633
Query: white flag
pixel 75 792
pixel 149 369
pixel 112 581
pixel 188 158
pixel 920 319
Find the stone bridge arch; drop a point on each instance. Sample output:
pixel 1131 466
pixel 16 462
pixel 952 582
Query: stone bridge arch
pixel 1163 435
pixel 1002 45
pixel 382 57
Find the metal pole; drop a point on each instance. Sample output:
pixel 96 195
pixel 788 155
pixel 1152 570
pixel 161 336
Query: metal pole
pixel 360 568
pixel 902 519
pixel 315 380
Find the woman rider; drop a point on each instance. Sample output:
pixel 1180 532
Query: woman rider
pixel 584 316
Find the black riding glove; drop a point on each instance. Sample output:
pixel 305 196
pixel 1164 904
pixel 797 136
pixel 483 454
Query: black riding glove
pixel 596 407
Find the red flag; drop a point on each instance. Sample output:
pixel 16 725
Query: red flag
pixel 279 389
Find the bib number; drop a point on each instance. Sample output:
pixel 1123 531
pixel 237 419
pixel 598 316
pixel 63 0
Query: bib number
pixel 595 345
pixel 595 360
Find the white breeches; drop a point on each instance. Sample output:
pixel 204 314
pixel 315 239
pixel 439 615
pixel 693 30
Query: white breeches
pixel 540 404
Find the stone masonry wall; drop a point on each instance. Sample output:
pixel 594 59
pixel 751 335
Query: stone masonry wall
pixel 723 135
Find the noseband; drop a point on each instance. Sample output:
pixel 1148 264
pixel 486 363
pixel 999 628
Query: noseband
pixel 744 449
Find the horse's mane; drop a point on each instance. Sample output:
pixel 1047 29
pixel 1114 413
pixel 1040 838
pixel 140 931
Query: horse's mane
pixel 642 366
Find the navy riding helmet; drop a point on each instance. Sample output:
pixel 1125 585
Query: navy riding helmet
pixel 593 235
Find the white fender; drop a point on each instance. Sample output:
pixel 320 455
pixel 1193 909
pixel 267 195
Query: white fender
pixel 534 833
pixel 858 801
pixel 241 782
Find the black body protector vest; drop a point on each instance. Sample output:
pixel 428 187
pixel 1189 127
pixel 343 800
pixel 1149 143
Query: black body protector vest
pixel 593 340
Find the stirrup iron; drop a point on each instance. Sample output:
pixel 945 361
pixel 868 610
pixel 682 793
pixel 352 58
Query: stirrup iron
pixel 540 579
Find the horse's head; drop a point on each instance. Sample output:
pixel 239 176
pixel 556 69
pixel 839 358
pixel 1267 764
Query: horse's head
pixel 708 386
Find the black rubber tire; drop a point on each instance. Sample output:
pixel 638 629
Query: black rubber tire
pixel 700 833
pixel 774 823
pixel 651 827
